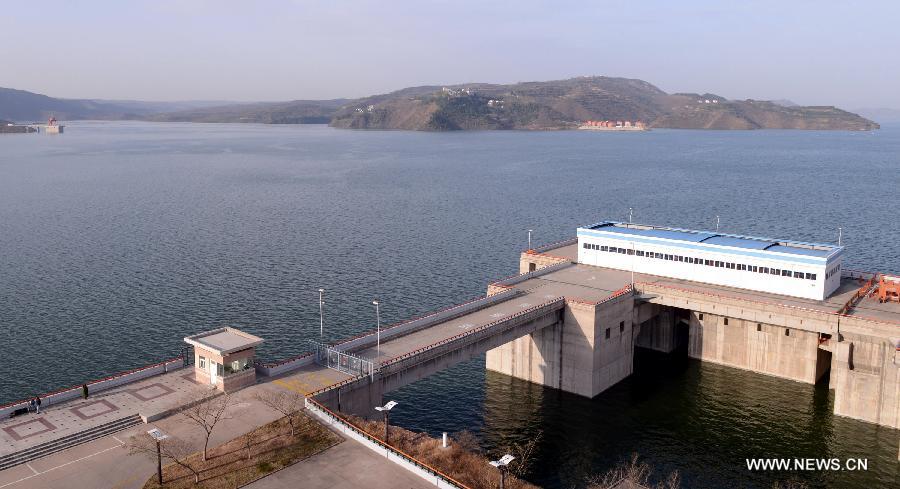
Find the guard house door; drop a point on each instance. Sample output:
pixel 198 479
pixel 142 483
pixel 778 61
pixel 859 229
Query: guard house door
pixel 213 371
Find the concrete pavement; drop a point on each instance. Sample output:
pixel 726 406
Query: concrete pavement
pixel 346 465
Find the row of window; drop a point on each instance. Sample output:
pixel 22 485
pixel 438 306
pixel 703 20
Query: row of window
pixel 701 261
pixel 834 270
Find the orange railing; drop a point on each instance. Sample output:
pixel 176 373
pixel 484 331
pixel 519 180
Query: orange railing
pixel 857 296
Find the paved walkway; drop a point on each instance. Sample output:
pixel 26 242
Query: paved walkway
pixel 104 463
pixel 349 465
pixel 152 395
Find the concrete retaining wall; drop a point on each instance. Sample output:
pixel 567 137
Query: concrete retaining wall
pixel 273 369
pixel 95 386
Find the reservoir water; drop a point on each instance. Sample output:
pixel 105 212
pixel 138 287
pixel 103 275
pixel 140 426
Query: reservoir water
pixel 119 239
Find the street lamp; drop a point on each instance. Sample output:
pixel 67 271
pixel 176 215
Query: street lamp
pixel 321 316
pixel 502 466
pixel 529 238
pixel 159 436
pixel 385 409
pixel 377 329
pixel 630 214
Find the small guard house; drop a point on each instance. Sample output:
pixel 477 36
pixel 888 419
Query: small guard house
pixel 224 358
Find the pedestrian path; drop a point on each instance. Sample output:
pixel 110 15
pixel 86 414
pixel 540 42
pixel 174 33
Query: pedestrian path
pixel 149 396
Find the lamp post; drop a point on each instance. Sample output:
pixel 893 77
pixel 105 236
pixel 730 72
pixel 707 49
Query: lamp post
pixel 502 466
pixel 529 238
pixel 717 224
pixel 321 315
pixel 385 409
pixel 377 329
pixel 159 436
pixel 630 214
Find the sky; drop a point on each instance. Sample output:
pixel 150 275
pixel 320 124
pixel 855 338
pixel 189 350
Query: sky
pixel 810 52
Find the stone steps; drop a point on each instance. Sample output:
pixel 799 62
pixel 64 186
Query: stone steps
pixel 68 441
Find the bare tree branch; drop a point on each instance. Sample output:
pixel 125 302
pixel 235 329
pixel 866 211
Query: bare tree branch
pixel 288 403
pixel 206 414
pixel 171 449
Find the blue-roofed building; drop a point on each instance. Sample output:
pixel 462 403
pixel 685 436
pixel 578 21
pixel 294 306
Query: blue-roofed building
pixel 793 268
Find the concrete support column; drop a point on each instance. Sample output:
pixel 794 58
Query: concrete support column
pixel 866 380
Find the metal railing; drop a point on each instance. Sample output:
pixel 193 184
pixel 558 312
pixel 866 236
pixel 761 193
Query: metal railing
pixel 341 361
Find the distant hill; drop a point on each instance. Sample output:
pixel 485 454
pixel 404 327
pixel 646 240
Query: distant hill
pixel 563 104
pixel 296 112
pixel 559 104
pixel 23 106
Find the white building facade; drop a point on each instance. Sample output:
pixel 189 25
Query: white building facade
pixel 792 268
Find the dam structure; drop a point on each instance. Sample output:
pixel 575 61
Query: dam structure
pixel 574 315
pixel 570 320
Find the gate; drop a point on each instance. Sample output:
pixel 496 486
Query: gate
pixel 341 361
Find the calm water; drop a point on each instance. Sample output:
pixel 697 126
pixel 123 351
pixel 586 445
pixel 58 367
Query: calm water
pixel 119 239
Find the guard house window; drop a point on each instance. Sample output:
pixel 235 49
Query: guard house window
pixel 709 263
pixel 630 252
pixel 774 271
pixel 607 333
pixel 604 248
pixel 202 362
pixel 220 370
pixel 810 276
pixel 764 269
pixel 622 250
pixel 719 264
pixel 640 253
pixel 586 245
pixel 621 326
pixel 798 274
pixel 753 268
pixel 785 273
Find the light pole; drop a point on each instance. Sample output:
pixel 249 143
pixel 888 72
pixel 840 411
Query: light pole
pixel 502 466
pixel 377 329
pixel 321 315
pixel 385 409
pixel 630 214
pixel 529 238
pixel 717 224
pixel 159 436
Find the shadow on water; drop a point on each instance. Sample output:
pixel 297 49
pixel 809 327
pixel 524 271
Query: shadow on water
pixel 701 419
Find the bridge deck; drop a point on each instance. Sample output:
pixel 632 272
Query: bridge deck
pixel 583 283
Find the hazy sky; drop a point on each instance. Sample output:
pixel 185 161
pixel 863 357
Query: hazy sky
pixel 812 52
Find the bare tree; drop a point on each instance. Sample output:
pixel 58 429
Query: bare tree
pixel 173 449
pixel 206 414
pixel 635 471
pixel 524 453
pixel 288 403
pixel 251 438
